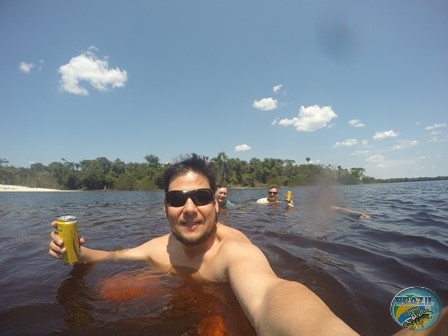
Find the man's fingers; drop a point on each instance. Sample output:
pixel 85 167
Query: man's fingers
pixel 54 254
pixel 56 248
pixel 56 239
pixel 56 245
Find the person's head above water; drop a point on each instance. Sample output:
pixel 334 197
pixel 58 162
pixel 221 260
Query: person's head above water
pixel 190 205
pixel 221 194
pixel 273 193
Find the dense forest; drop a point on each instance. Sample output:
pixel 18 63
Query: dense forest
pixel 101 173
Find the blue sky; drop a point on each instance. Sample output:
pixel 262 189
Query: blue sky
pixel 346 83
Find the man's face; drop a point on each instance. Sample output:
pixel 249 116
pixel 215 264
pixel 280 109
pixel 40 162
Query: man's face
pixel 191 224
pixel 221 195
pixel 272 195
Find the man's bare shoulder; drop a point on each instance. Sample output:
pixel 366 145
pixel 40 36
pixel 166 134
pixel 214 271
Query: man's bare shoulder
pixel 236 245
pixel 228 234
pixel 233 251
pixel 160 240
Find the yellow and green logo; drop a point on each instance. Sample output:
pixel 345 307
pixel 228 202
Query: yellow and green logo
pixel 416 308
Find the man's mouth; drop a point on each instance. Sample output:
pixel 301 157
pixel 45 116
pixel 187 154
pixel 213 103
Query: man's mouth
pixel 190 225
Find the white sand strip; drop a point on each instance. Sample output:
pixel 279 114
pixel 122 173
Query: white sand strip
pixel 7 187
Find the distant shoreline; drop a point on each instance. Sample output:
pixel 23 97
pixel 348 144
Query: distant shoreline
pixel 16 188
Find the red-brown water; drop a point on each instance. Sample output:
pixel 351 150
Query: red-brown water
pixel 356 266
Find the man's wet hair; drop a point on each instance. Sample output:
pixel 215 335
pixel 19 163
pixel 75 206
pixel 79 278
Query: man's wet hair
pixel 194 163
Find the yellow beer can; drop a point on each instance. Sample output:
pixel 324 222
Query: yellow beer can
pixel 68 231
pixel 288 196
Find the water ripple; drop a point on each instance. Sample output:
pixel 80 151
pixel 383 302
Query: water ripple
pixel 355 265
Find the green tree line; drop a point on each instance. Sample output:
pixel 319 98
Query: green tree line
pixel 102 173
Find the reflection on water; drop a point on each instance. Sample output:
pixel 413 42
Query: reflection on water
pixel 138 300
pixel 356 266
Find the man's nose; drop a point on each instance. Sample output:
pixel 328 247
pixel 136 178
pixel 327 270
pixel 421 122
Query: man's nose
pixel 189 205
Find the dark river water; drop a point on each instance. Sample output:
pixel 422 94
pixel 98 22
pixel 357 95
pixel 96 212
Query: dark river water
pixel 355 265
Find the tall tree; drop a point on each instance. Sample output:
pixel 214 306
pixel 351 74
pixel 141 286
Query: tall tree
pixel 152 160
pixel 220 162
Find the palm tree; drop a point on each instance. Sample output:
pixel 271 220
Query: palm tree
pixel 220 162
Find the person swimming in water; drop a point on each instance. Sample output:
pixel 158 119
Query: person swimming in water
pixel 273 197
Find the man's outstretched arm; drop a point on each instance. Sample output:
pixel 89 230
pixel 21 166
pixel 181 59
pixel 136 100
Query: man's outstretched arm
pixel 276 306
pixel 89 255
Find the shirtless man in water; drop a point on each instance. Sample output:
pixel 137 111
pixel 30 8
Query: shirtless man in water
pixel 218 253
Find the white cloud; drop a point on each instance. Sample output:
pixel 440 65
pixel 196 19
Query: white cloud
pixel 356 123
pixel 346 143
pixel 433 127
pixel 87 67
pixel 436 135
pixel 361 153
pixel 405 144
pixel 384 134
pixel 242 148
pixel 277 88
pixel 376 159
pixel 310 118
pixel 266 104
pixel 26 67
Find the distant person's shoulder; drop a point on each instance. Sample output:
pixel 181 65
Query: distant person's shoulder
pixel 227 204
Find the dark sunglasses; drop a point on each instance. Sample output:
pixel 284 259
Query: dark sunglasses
pixel 273 192
pixel 178 198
